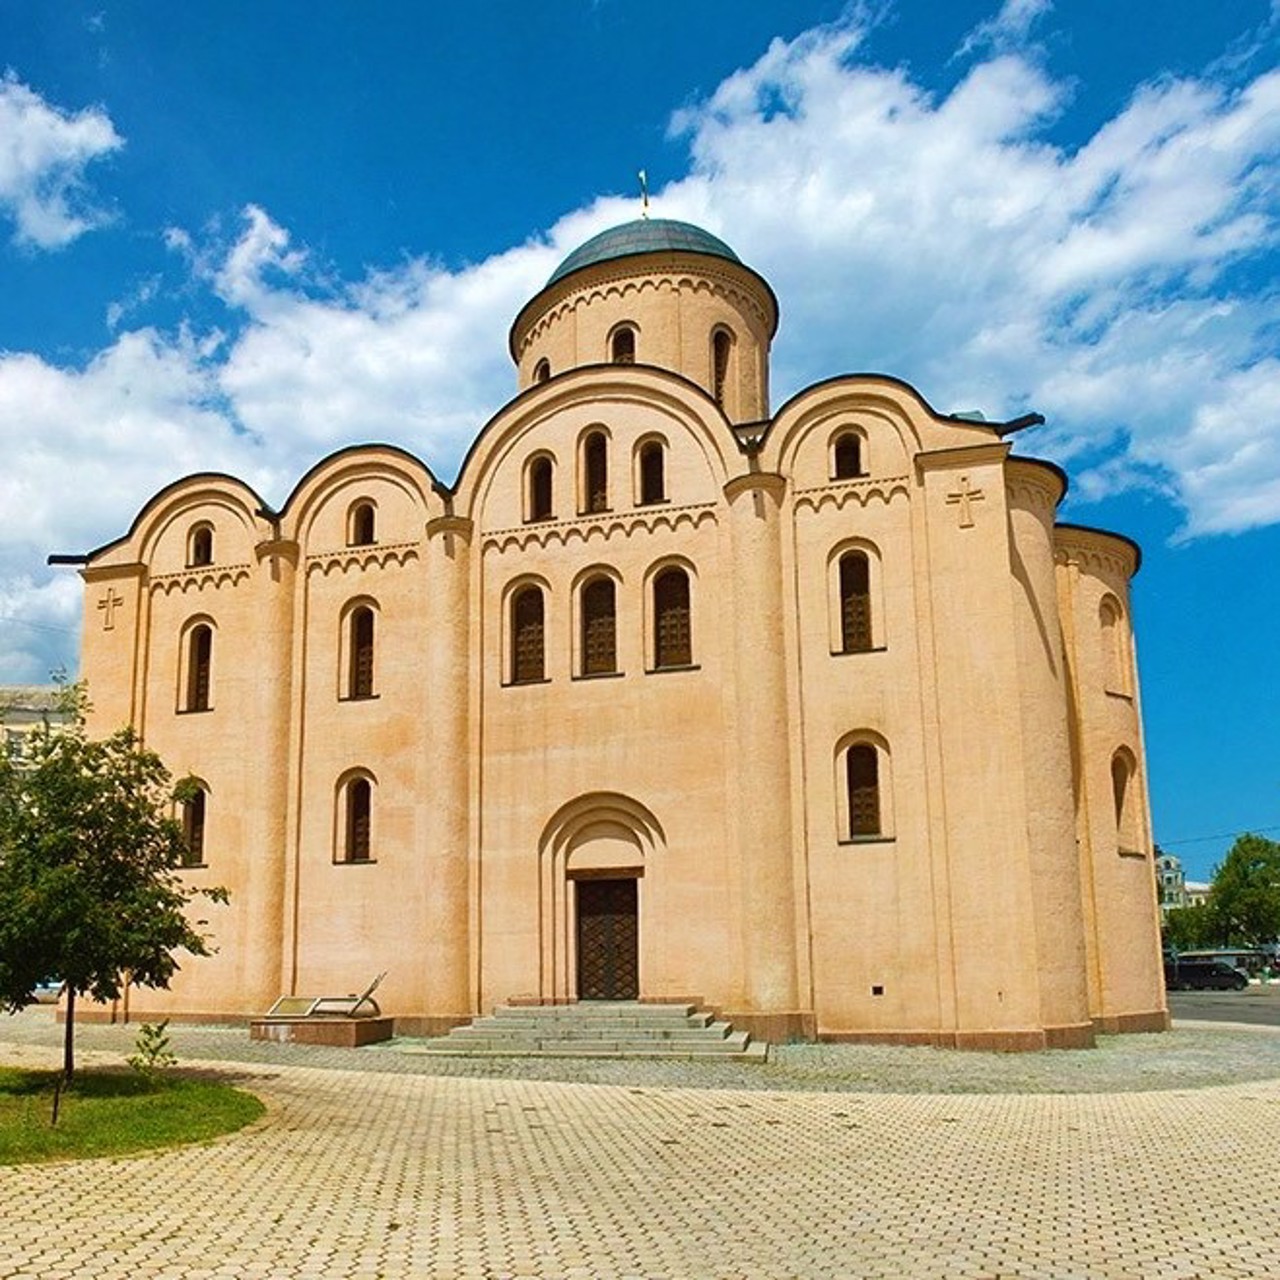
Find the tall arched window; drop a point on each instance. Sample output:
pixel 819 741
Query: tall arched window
pixel 672 632
pixel 599 628
pixel 653 477
pixel 357 842
pixel 360 653
pixel 622 346
pixel 1123 785
pixel 361 529
pixel 855 602
pixel 862 779
pixel 846 456
pixel 721 347
pixel 540 476
pixel 199 668
pixel 527 636
pixel 542 370
pixel 1115 650
pixel 193 818
pixel 595 473
pixel 200 546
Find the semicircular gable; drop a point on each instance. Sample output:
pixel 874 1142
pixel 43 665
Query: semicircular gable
pixel 631 402
pixel 158 535
pixel 400 486
pixel 895 419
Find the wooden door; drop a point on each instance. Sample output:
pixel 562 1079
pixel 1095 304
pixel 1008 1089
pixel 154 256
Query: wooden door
pixel 608 940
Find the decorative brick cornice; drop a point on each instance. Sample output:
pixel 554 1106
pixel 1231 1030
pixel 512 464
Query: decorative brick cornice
pixel 212 576
pixel 547 533
pixel 839 493
pixel 377 556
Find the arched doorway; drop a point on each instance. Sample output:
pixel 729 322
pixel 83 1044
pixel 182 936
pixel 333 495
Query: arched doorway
pixel 595 853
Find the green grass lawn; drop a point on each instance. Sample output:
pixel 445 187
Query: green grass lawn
pixel 109 1113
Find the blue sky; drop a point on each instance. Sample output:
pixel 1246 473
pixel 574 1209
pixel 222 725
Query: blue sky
pixel 239 236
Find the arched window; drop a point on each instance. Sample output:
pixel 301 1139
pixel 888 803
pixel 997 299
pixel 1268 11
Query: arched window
pixel 200 546
pixel 672 633
pixel 357 842
pixel 1123 770
pixel 862 780
pixel 855 602
pixel 199 668
pixel 193 816
pixel 653 466
pixel 846 456
pixel 599 628
pixel 1115 650
pixel 361 527
pixel 721 346
pixel 595 473
pixel 542 370
pixel 622 346
pixel 540 475
pixel 360 653
pixel 527 636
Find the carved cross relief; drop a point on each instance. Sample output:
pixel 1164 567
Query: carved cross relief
pixel 107 606
pixel 965 497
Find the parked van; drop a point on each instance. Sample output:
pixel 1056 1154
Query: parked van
pixel 1203 975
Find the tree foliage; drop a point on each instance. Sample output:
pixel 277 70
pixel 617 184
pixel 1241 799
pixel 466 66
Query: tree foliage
pixel 89 890
pixel 1189 928
pixel 1244 901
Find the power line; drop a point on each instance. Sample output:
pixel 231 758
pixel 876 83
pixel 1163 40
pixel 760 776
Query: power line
pixel 1225 835
pixel 38 626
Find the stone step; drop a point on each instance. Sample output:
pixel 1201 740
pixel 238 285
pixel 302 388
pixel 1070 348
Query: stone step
pixel 595 1030
pixel 486 1029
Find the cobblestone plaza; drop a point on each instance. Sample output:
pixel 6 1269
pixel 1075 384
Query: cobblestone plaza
pixel 375 1163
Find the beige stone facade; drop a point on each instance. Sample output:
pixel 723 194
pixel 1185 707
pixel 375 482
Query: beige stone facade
pixel 817 717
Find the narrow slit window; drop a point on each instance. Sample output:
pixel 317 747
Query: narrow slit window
pixel 360 668
pixel 527 631
pixel 540 489
pixel 193 819
pixel 595 468
pixel 199 668
pixel 672 633
pixel 363 526
pixel 653 478
pixel 855 603
pixel 358 843
pixel 200 549
pixel 847 457
pixel 623 346
pixel 599 628
pixel 862 768
pixel 721 345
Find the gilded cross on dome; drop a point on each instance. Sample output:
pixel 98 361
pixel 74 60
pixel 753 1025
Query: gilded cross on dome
pixel 107 606
pixel 966 497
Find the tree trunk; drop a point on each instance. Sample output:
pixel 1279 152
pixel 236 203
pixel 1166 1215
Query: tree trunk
pixel 68 1037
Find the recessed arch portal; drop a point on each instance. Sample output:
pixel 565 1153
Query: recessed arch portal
pixel 594 855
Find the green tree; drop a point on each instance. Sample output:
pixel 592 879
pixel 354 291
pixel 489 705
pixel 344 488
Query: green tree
pixel 89 893
pixel 1245 897
pixel 1188 928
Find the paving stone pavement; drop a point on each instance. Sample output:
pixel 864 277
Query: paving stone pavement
pixel 356 1176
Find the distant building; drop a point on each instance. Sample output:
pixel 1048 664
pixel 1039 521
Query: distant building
pixel 817 715
pixel 1171 885
pixel 25 706
pixel 1196 893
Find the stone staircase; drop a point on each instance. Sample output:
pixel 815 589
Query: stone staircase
pixel 598 1029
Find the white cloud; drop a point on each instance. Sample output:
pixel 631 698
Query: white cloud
pixel 1011 26
pixel 1122 288
pixel 43 154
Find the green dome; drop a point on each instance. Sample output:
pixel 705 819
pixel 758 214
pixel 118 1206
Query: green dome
pixel 644 235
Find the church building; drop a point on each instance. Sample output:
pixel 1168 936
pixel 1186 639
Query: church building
pixel 814 715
